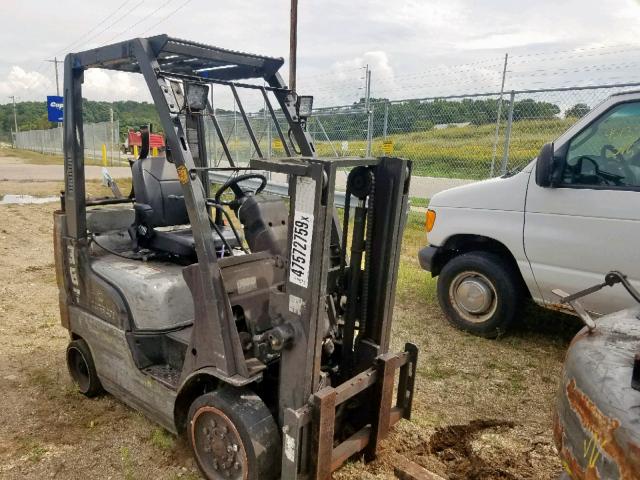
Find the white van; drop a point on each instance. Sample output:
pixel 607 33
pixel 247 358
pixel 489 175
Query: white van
pixel 562 222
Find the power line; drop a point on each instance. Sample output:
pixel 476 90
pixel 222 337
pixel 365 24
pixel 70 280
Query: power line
pixel 101 22
pixel 577 51
pixel 64 50
pixel 120 18
pixel 142 20
pixel 167 17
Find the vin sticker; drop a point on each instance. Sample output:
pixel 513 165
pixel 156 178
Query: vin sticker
pixel 305 194
pixel 296 304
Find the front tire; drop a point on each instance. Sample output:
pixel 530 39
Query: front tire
pixel 479 293
pixel 82 368
pixel 234 436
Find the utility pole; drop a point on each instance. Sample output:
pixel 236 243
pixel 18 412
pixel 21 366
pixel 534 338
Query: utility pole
pixel 55 61
pixel 112 139
pixel 293 44
pixel 495 142
pixel 369 110
pixel 367 86
pixel 15 117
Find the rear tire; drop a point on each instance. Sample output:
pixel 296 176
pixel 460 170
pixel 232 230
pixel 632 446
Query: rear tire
pixel 479 293
pixel 82 368
pixel 234 436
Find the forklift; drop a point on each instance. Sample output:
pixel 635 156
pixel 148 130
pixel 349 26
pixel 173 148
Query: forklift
pixel 256 326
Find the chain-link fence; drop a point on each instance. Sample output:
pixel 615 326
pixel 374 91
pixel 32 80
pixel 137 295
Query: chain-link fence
pixel 469 137
pixel 458 137
pixel 101 142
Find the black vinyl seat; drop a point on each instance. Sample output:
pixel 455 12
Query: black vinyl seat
pixel 161 221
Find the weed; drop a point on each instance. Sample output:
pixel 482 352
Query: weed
pixel 127 463
pixel 438 372
pixel 419 202
pixel 185 476
pixel 31 448
pixel 40 377
pixel 162 439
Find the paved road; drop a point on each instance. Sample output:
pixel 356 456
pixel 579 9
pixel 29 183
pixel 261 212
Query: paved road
pixel 11 170
pixel 422 187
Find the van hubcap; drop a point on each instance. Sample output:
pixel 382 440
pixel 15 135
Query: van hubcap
pixel 473 296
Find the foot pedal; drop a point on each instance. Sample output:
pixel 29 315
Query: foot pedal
pixel 165 374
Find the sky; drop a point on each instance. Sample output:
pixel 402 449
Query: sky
pixel 413 48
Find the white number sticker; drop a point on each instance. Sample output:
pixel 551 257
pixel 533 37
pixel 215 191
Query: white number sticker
pixel 301 238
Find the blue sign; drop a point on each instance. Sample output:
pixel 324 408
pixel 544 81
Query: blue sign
pixel 55 108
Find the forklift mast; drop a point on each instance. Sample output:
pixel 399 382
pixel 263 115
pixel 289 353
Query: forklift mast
pixel 328 289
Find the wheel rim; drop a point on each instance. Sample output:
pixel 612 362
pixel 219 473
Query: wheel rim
pixel 79 369
pixel 218 446
pixel 473 296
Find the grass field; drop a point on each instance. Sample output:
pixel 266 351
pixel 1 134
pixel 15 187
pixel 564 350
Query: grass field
pixel 462 152
pixel 493 397
pixel 27 156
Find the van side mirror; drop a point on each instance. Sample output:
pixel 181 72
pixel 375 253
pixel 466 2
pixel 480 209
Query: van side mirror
pixel 545 166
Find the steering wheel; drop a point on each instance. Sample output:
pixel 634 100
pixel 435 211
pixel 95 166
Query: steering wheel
pixel 617 162
pixel 240 194
pixel 234 184
pixel 608 177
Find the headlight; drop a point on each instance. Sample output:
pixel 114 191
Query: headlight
pixel 430 220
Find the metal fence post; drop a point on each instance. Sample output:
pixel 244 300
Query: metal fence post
pixel 499 116
pixel 370 130
pixel 117 130
pixel 507 135
pixel 93 141
pixel 386 119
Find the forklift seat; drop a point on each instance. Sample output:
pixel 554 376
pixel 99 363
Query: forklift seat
pixel 159 205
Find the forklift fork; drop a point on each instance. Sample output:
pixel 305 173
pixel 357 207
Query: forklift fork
pixel 319 418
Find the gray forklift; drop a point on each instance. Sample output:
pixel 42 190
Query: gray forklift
pixel 256 326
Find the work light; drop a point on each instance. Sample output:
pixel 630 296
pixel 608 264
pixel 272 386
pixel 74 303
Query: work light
pixel 304 106
pixel 197 96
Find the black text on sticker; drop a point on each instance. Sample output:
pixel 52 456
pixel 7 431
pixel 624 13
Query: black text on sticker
pixel 301 248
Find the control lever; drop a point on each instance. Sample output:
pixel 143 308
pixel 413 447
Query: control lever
pixel 610 279
pixel 108 181
pixel 577 306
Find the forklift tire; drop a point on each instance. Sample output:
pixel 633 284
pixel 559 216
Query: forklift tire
pixel 479 293
pixel 234 436
pixel 82 368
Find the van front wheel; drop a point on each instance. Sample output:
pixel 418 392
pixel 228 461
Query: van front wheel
pixel 479 293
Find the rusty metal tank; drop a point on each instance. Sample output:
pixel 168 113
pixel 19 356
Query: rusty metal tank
pixel 597 412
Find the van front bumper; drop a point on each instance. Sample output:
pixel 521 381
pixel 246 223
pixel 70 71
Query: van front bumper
pixel 426 257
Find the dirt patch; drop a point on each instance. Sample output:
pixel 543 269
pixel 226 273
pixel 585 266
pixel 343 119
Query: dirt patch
pixel 452 445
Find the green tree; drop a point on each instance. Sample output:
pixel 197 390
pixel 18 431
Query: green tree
pixel 579 110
